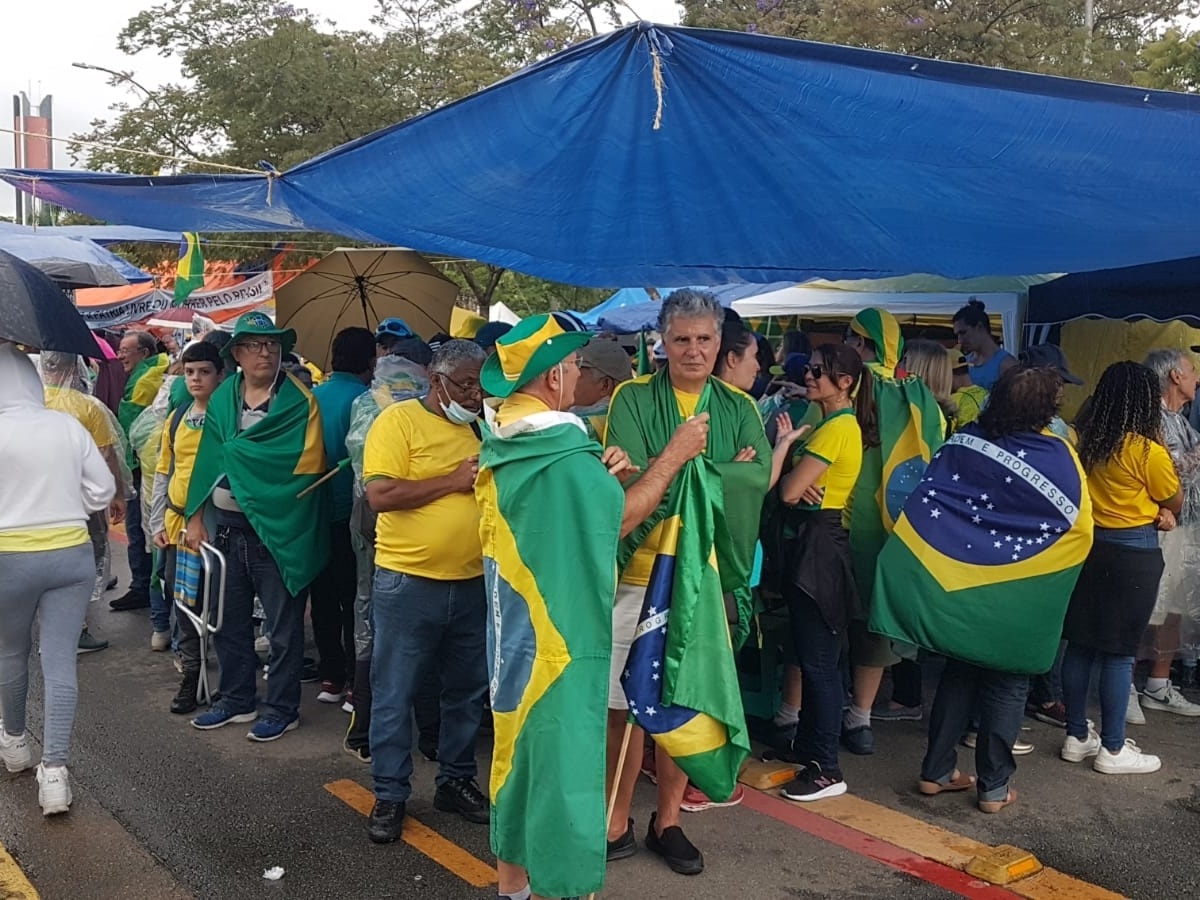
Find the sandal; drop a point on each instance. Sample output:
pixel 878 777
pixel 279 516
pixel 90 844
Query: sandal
pixel 958 782
pixel 994 806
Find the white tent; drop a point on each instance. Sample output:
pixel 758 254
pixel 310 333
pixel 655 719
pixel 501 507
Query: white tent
pixel 823 303
pixel 498 312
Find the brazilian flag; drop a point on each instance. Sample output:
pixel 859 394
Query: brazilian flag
pixel 911 428
pixel 681 680
pixel 985 556
pixel 550 518
pixel 189 274
pixel 267 466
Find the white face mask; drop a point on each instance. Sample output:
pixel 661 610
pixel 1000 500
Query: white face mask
pixel 456 412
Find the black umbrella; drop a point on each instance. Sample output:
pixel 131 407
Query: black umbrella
pixel 34 311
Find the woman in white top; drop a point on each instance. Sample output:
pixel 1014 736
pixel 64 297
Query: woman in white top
pixel 52 479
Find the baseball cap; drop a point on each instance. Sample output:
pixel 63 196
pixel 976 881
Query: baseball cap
pixel 607 358
pixel 394 328
pixel 957 360
pixel 1049 356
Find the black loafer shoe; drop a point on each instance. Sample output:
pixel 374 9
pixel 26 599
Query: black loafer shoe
pixel 676 850
pixel 130 601
pixel 464 797
pixel 386 821
pixel 624 846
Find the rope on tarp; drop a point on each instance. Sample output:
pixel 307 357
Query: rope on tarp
pixel 106 146
pixel 658 84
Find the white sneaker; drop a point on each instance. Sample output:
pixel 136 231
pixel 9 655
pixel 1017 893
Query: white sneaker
pixel 1133 709
pixel 262 644
pixel 1129 760
pixel 14 750
pixel 1075 750
pixel 160 641
pixel 1170 700
pixel 54 789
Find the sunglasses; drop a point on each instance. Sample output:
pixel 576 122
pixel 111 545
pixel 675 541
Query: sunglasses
pixel 819 370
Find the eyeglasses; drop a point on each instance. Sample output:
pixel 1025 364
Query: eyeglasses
pixel 471 387
pixel 271 347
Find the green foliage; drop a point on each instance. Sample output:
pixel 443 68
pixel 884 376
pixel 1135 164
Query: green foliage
pixel 1047 36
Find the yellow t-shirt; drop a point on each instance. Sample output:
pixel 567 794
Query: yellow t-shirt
pixel 187 443
pixel 87 410
pixel 441 539
pixel 642 561
pixel 1127 489
pixel 836 441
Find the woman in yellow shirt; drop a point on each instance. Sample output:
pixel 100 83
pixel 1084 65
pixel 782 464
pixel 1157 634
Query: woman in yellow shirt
pixel 1135 494
pixel 818 581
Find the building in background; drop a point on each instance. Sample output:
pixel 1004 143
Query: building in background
pixel 32 148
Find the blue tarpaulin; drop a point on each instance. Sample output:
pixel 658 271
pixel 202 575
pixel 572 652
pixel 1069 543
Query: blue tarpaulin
pixel 752 158
pixel 100 234
pixel 36 246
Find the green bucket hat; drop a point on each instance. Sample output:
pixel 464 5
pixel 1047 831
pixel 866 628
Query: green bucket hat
pixel 532 346
pixel 259 324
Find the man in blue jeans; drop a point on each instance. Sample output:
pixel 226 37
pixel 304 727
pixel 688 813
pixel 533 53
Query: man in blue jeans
pixel 428 606
pixel 260 453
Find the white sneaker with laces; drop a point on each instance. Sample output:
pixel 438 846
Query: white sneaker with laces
pixel 14 750
pixel 1075 750
pixel 1133 710
pixel 1129 760
pixel 1170 700
pixel 54 789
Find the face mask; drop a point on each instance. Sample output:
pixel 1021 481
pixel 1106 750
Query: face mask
pixel 457 413
pixel 596 409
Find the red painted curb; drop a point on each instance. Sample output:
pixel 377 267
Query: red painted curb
pixel 881 851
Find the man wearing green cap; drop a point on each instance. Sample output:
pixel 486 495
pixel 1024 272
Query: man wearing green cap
pixel 549 573
pixel 262 445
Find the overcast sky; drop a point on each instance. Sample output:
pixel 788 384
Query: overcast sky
pixel 43 39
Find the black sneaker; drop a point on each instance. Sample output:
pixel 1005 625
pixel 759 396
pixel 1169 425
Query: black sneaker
pixel 676 850
pixel 464 797
pixel 310 674
pixel 112 584
pixel 811 783
pixel 428 749
pixel 386 821
pixel 131 600
pixel 185 699
pixel 624 846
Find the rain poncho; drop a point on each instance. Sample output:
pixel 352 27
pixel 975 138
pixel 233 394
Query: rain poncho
pixel 1179 588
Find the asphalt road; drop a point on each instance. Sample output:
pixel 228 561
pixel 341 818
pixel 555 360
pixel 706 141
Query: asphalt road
pixel 164 811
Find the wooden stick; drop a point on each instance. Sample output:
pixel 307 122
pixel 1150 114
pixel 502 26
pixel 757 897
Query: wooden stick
pixel 320 481
pixel 616 785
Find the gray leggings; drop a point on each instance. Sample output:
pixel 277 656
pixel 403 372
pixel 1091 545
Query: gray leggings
pixel 55 585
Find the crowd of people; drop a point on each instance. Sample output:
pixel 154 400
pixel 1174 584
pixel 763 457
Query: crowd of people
pixel 399 502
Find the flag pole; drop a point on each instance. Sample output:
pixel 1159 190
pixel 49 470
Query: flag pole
pixel 612 800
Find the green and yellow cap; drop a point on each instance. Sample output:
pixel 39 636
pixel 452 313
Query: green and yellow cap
pixel 533 346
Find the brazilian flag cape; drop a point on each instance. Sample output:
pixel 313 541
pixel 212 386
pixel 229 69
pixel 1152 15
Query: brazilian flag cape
pixel 550 517
pixel 680 679
pixel 911 428
pixel 983 561
pixel 643 415
pixel 140 390
pixel 268 464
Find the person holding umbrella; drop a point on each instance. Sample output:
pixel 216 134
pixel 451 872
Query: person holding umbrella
pixel 52 479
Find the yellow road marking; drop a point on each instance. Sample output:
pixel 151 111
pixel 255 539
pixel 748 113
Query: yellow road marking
pixel 948 848
pixel 13 883
pixel 442 851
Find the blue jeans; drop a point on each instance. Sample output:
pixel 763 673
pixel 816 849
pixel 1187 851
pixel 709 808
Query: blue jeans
pixel 140 565
pixel 1047 688
pixel 419 624
pixel 817 651
pixel 1116 674
pixel 999 698
pixel 161 594
pixel 252 570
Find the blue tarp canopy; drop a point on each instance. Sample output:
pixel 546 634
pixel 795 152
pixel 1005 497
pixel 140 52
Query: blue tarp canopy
pixel 752 158
pixel 1166 290
pixel 34 246
pixel 625 312
pixel 100 234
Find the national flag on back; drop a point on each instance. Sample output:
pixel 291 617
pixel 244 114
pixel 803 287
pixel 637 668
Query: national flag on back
pixel 189 275
pixel 911 428
pixel 680 680
pixel 982 563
